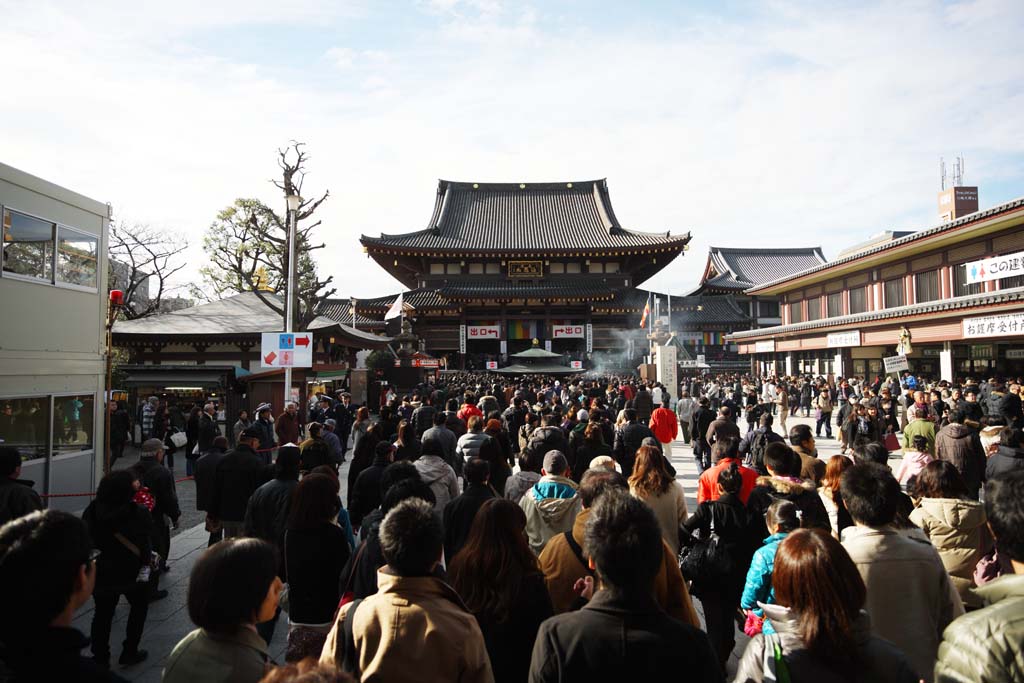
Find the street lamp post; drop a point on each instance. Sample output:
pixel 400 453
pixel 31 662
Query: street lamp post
pixel 294 201
pixel 114 303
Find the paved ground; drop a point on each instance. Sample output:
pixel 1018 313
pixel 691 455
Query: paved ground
pixel 168 619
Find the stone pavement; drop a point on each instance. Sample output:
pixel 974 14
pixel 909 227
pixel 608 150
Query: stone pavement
pixel 168 620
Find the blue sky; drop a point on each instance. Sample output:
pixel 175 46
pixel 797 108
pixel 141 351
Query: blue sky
pixel 746 124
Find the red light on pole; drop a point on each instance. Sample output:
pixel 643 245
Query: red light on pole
pixel 117 297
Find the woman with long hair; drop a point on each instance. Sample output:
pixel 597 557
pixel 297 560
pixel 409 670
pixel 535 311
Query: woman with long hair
pixel 830 495
pixel 360 426
pixel 498 578
pixel 407 444
pixel 362 456
pixel 592 446
pixel 315 551
pixel 651 483
pixel 822 632
pixel 954 522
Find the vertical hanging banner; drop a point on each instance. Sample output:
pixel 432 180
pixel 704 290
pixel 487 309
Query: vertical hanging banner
pixel 462 338
pixel 590 338
pixel 547 344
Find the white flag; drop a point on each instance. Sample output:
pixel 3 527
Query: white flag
pixel 395 310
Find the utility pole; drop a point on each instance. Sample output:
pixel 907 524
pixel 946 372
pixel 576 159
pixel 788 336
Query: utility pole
pixel 294 201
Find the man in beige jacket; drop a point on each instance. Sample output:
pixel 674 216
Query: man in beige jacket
pixel 415 627
pixel 910 598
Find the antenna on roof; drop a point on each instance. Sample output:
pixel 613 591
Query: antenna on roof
pixel 942 173
pixel 958 172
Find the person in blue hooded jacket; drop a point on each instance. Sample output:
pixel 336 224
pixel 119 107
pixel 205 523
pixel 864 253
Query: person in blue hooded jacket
pixel 782 517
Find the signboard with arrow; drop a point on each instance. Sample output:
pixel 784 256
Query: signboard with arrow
pixel 280 350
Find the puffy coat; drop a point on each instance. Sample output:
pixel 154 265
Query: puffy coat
pixel 801 492
pixel 469 445
pixel 959 445
pixel 440 477
pixel 883 663
pixel 957 529
pixel 544 439
pixel 758 586
pixel 551 507
pixel 1004 460
pixel 664 425
pixel 919 427
pixel 519 483
pixel 985 645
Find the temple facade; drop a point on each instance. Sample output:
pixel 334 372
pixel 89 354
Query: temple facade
pixel 501 264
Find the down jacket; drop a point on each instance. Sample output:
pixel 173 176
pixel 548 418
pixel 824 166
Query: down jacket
pixel 984 645
pixel 551 507
pixel 758 586
pixel 959 445
pixel 801 492
pixel 957 529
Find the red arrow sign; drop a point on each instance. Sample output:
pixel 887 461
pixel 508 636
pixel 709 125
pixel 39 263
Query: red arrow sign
pixel 269 358
pixel 302 341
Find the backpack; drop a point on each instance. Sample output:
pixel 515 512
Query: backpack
pixel 755 457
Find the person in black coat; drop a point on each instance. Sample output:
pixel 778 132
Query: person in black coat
pixel 720 597
pixel 628 439
pixel 366 495
pixel 205 471
pixel 121 530
pixel 363 457
pixel 238 474
pixel 703 416
pixel 152 474
pixel 17 497
pixel 498 578
pixel 783 465
pixel 120 429
pixel 1009 455
pixel 621 634
pixel 460 512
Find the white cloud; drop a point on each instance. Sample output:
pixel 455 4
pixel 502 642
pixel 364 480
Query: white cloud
pixel 803 126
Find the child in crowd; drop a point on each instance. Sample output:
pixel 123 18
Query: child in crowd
pixel 782 517
pixel 914 460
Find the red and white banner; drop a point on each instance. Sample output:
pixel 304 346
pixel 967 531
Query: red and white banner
pixel 576 364
pixel 492 365
pixel 483 331
pixel 567 332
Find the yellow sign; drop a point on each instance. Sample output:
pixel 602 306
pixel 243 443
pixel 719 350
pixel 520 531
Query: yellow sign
pixel 526 269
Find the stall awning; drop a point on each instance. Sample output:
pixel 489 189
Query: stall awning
pixel 332 374
pixel 174 377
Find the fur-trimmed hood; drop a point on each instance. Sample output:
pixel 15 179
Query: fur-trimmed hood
pixel 786 486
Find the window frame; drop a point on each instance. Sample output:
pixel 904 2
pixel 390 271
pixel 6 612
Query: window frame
pixel 864 291
pixel 828 305
pixel 901 282
pixel 55 227
pixel 816 302
pixel 48 437
pixel 796 306
pixel 55 457
pixel 917 288
pixel 56 258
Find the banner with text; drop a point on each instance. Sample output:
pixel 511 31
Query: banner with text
pixel 896 364
pixel 994 268
pixel 842 339
pixel 483 332
pixel 993 325
pixel 567 331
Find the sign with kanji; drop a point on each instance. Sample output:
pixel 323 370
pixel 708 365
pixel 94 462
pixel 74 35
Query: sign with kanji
pixel 462 338
pixel 590 338
pixel 994 268
pixel 286 350
pixel 837 340
pixel 483 331
pixel 492 365
pixel 576 364
pixel 567 331
pixel 993 326
pixel 896 364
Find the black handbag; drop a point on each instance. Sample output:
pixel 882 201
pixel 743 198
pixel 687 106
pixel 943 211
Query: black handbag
pixel 706 560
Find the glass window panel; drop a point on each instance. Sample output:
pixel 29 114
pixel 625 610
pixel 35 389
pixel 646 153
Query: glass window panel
pixel 492 268
pixel 437 269
pixel 28 246
pixel 814 308
pixel 72 423
pixel 23 425
pixel 453 269
pixel 611 267
pixel 960 286
pixel 796 312
pixel 476 269
pixel 858 300
pixel 927 285
pixel 595 268
pixel 573 267
pixel 76 258
pixel 557 268
pixel 768 309
pixel 835 305
pixel 1007 282
pixel 895 293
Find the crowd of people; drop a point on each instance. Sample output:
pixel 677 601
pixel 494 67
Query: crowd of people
pixel 536 529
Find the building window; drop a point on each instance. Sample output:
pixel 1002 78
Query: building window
pixel 927 286
pixel 768 309
pixel 1009 282
pixel 557 268
pixel 476 269
pixel 611 267
pixel 492 269
pixel 76 257
pixel 437 269
pixel 453 269
pixel 796 312
pixel 835 305
pixel 28 246
pixel 573 267
pixel 72 423
pixel 23 425
pixel 960 286
pixel 595 267
pixel 814 308
pixel 858 300
pixel 895 293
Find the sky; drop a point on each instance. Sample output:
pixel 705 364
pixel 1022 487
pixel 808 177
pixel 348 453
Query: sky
pixel 746 124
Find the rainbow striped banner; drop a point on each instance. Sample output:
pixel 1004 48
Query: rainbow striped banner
pixel 714 338
pixel 522 329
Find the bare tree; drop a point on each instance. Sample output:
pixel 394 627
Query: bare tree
pixel 247 246
pixel 142 262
